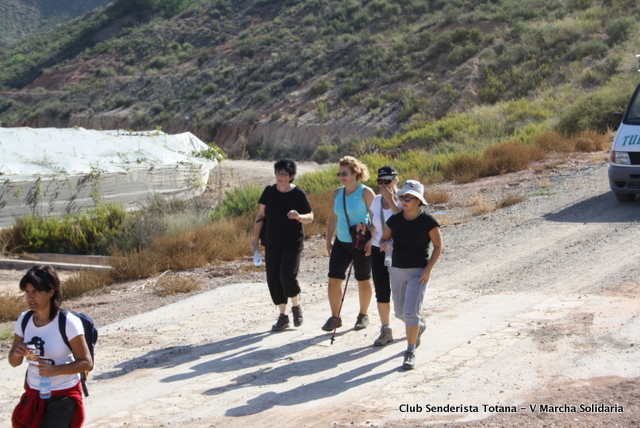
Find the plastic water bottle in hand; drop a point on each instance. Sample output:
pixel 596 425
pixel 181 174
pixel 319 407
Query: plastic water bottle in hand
pixel 257 259
pixel 388 254
pixel 45 387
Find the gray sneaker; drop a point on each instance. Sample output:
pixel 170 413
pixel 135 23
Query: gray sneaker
pixel 332 323
pixel 385 337
pixel 423 327
pixel 281 324
pixel 361 322
pixel 409 362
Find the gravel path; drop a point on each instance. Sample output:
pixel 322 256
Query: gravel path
pixel 532 311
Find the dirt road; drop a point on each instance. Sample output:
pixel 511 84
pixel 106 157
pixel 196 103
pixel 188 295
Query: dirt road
pixel 534 305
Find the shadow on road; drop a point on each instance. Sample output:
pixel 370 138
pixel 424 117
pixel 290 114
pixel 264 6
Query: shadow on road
pixel 603 208
pixel 246 347
pixel 308 392
pixel 177 355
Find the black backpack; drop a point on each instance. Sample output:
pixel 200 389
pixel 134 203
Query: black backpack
pixel 90 335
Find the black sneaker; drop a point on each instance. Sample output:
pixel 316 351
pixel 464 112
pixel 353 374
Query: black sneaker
pixel 281 324
pixel 361 322
pixel 332 322
pixel 296 311
pixel 423 327
pixel 409 362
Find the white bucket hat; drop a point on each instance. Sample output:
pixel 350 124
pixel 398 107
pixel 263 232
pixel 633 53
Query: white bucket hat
pixel 414 188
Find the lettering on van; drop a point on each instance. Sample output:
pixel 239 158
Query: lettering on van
pixel 631 140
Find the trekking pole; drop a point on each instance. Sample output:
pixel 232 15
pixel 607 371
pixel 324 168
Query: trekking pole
pixel 344 293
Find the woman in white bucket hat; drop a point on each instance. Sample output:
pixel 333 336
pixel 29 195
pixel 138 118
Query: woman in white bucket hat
pixel 412 231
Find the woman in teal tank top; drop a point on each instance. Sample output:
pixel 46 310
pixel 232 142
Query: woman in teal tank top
pixel 357 198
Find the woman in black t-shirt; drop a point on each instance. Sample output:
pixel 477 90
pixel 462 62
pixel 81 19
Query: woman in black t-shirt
pixel 412 230
pixel 284 208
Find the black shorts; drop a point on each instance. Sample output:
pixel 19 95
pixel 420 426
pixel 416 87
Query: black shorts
pixel 341 256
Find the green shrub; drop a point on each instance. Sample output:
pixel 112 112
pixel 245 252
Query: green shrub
pixel 593 110
pixel 292 80
pixel 157 108
pixel 161 62
pixel 319 181
pixel 619 30
pixel 85 233
pixel 238 202
pixel 105 72
pixel 593 48
pixel 326 153
pixel 209 88
pixel 320 88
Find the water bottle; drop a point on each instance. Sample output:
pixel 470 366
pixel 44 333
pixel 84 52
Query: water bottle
pixel 389 253
pixel 45 387
pixel 257 260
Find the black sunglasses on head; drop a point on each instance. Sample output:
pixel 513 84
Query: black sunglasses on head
pixel 39 272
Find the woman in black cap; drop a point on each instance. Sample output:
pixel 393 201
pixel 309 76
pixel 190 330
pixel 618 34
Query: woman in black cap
pixel 383 206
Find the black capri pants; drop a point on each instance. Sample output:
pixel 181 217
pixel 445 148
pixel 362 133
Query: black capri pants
pixel 380 275
pixel 282 272
pixel 341 256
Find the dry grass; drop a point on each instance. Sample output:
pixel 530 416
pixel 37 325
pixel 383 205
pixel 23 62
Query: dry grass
pixel 585 141
pixel 436 196
pixel 544 183
pixel 513 156
pixel 82 282
pixel 463 169
pixel 169 285
pixel 322 205
pixel 550 141
pixel 444 219
pixel 11 306
pixel 509 157
pixel 479 206
pixel 591 141
pixel 133 264
pixel 511 199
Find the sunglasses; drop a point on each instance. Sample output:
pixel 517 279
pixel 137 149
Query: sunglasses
pixel 39 272
pixel 282 174
pixel 343 174
pixel 381 181
pixel 406 198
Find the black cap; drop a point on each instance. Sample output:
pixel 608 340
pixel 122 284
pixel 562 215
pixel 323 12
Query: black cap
pixel 387 172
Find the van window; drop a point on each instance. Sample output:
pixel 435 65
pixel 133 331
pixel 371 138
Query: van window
pixel 633 114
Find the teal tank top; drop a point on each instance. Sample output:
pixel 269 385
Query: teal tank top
pixel 356 208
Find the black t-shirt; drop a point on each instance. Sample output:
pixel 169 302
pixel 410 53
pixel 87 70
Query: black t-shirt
pixel 281 231
pixel 411 239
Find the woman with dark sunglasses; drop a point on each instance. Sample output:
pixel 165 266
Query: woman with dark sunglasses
pixel 383 207
pixel 412 231
pixel 49 357
pixel 351 204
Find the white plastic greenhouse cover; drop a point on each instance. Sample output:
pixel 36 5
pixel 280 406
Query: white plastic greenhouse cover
pixel 51 171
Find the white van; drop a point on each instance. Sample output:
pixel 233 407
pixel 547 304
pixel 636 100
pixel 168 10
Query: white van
pixel 624 169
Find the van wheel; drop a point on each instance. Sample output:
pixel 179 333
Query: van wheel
pixel 625 197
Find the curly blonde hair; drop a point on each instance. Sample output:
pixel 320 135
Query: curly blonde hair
pixel 358 168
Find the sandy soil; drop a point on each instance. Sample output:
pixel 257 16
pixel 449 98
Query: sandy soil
pixel 532 313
